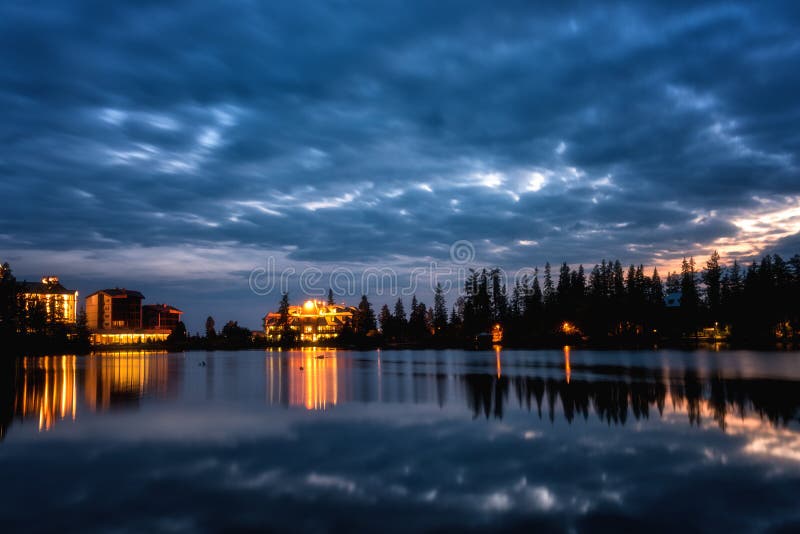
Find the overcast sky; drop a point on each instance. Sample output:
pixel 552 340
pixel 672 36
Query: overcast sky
pixel 174 147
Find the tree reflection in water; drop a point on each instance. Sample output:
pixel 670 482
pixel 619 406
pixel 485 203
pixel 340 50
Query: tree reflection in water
pixel 614 400
pixel 51 389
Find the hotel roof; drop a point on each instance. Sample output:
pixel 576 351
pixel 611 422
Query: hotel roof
pixel 161 307
pixel 117 292
pixel 45 288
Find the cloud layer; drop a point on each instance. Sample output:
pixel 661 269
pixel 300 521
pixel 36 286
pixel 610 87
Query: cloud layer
pixel 366 132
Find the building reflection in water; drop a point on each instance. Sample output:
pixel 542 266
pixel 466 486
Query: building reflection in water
pixel 50 389
pixel 308 377
pixel 124 377
pixel 613 394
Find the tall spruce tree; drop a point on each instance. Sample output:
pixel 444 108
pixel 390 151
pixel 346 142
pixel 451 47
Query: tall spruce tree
pixel 400 321
pixel 712 278
pixel 386 322
pixel 439 309
pixel 365 322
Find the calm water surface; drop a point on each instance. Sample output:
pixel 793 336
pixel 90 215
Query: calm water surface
pixel 401 441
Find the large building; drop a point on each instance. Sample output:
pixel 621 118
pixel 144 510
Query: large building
pixel 116 316
pixel 160 317
pixel 114 309
pixel 312 322
pixel 60 303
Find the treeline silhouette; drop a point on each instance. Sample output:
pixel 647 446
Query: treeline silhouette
pixel 757 305
pixel 614 400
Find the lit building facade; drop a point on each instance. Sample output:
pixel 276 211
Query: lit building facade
pixel 60 303
pixel 114 309
pixel 314 321
pixel 117 317
pixel 160 317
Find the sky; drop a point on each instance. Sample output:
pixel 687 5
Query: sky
pixel 179 147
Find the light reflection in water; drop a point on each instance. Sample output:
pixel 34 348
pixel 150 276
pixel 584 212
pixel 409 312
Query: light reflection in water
pixel 308 378
pixel 49 392
pixel 260 447
pixel 47 387
pixel 126 374
pixel 53 389
pixel 313 379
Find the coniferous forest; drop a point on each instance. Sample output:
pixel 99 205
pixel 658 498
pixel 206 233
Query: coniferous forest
pixel 609 305
pixel 757 304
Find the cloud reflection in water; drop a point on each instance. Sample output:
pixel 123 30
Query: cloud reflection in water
pixel 414 440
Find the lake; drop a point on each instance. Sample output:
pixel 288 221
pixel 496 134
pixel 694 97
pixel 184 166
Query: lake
pixel 398 441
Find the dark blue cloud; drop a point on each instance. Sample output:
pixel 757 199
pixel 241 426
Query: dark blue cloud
pixel 357 131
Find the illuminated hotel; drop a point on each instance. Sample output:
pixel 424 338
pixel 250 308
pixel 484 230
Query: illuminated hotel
pixel 313 321
pixel 116 316
pixel 60 303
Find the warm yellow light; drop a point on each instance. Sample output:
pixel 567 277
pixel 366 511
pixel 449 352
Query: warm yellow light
pixel 309 305
pixel 569 328
pixel 497 333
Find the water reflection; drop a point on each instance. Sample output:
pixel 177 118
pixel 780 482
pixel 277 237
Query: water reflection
pixel 51 389
pixel 124 377
pixel 423 440
pixel 307 378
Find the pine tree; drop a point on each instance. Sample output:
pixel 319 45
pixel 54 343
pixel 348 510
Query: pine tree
pixel 178 336
pixel 712 277
pixel 656 289
pixel 288 335
pixel 366 317
pixel 563 287
pixel 499 297
pixel 417 327
pixel 211 333
pixel 537 297
pixel 549 292
pixel 439 309
pixel 689 297
pixel 400 322
pixel 386 322
pixel 9 312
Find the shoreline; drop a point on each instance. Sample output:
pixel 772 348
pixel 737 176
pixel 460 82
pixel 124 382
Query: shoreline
pixel 689 346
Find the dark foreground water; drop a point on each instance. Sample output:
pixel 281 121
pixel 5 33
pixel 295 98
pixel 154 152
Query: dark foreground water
pixel 401 441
